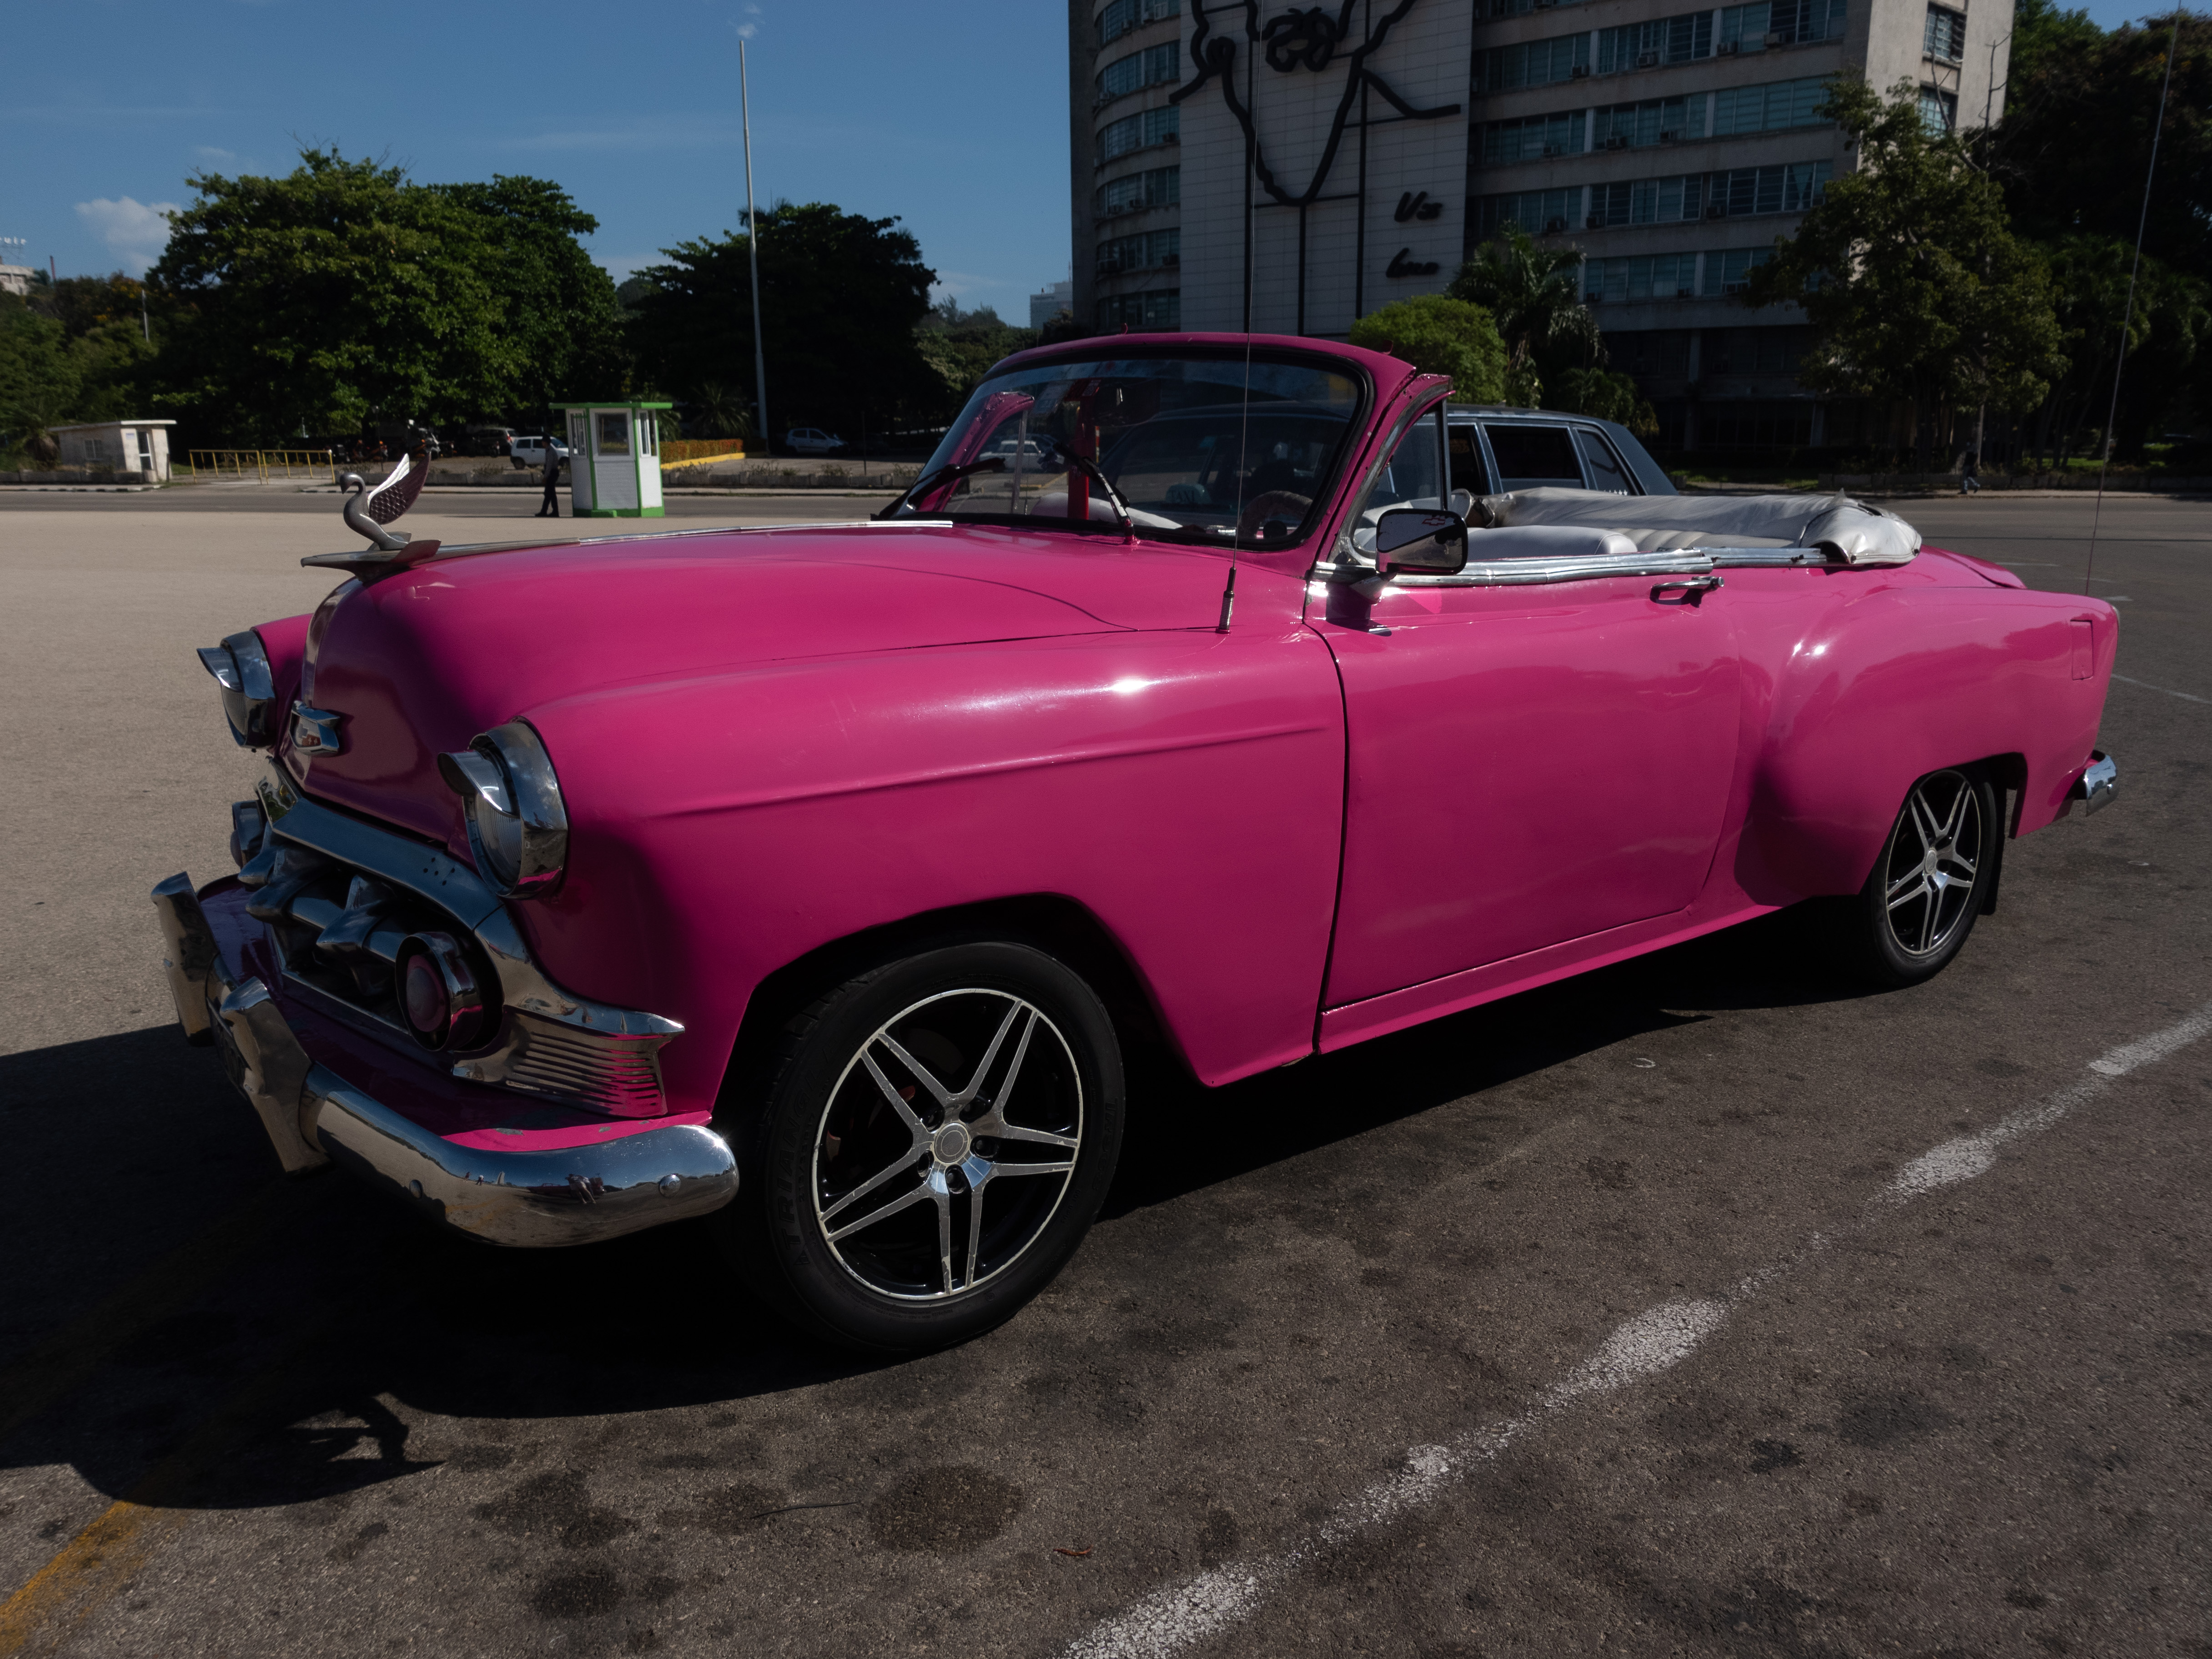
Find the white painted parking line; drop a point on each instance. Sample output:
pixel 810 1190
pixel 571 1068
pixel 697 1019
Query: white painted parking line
pixel 2185 695
pixel 1179 1616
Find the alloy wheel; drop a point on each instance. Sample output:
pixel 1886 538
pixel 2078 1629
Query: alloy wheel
pixel 946 1146
pixel 1932 868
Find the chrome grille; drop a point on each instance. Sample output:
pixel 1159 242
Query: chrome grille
pixel 340 897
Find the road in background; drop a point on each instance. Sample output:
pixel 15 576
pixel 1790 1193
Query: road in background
pixel 1628 1315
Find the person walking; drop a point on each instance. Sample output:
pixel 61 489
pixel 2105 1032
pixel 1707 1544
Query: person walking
pixel 550 506
pixel 1970 474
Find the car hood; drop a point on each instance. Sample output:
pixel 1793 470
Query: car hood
pixel 421 661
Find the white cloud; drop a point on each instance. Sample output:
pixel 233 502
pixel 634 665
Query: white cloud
pixel 135 231
pixel 747 31
pixel 210 153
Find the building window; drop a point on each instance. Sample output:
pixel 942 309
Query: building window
pixel 1939 110
pixel 1516 8
pixel 1647 202
pixel 1640 276
pixel 1769 108
pixel 1153 66
pixel 1791 188
pixel 1753 423
pixel 1533 64
pixel 1160 311
pixel 1647 46
pixel 1945 35
pixel 1539 212
pixel 1533 137
pixel 1135 191
pixel 1649 121
pixel 1139 132
pixel 1727 272
pixel 1657 353
pixel 1780 23
pixel 1754 350
pixel 1154 251
pixel 1118 19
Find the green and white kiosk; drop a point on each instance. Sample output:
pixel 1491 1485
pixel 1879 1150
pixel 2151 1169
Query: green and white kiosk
pixel 614 460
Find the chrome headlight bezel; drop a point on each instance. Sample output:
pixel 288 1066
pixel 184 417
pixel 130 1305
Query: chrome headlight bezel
pixel 518 824
pixel 240 667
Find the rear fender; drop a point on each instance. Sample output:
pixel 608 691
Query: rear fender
pixel 1901 683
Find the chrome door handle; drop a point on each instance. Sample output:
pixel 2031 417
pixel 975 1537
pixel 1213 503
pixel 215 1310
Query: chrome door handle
pixel 1693 588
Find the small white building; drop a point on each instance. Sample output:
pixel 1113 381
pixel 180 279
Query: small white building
pixel 17 279
pixel 118 446
pixel 614 459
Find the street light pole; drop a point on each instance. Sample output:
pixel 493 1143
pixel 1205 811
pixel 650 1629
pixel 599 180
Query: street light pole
pixel 753 256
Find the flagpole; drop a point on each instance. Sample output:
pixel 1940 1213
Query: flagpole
pixel 753 256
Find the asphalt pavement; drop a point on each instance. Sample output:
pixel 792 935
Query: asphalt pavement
pixel 1708 1304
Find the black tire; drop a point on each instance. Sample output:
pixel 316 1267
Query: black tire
pixel 1930 881
pixel 880 1103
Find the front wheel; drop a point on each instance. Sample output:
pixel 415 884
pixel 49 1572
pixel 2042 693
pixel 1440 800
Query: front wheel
pixel 936 1137
pixel 1918 905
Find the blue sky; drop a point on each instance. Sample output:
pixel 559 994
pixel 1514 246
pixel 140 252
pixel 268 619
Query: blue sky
pixel 952 117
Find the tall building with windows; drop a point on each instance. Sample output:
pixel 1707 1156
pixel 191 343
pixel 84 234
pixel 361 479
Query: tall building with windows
pixel 1289 172
pixel 1127 161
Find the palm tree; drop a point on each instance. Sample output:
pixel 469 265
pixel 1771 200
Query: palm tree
pixel 1535 295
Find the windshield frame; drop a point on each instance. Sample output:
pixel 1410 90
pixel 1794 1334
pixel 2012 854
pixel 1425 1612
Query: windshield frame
pixel 1099 347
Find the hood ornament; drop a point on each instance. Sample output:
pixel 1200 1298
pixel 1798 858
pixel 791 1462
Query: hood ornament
pixel 367 511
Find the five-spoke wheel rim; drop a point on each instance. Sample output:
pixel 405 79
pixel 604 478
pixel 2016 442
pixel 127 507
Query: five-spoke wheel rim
pixel 947 1144
pixel 1929 874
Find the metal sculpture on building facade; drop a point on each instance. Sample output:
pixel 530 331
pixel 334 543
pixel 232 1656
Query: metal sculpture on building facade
pixel 1307 39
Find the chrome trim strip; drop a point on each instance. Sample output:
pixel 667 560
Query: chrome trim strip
pixel 1680 562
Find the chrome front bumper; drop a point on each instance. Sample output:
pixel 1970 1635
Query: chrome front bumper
pixel 571 1195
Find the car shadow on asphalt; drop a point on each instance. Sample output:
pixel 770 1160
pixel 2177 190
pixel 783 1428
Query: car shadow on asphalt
pixel 292 1377
pixel 1775 961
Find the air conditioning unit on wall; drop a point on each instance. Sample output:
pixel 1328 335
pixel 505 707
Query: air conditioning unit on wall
pixel 1578 72
pixel 1553 227
pixel 1647 60
pixel 1592 223
pixel 1727 49
pixel 1616 141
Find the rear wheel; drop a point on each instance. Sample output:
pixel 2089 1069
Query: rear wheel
pixel 1918 905
pixel 936 1138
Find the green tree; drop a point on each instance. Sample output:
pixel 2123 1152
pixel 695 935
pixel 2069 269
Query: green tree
pixel 961 346
pixel 1440 335
pixel 557 307
pixel 1534 294
pixel 2073 153
pixel 841 296
pixel 344 293
pixel 1608 395
pixel 1916 288
pixel 38 381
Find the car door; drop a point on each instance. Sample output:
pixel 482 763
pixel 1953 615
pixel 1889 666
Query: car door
pixel 1528 763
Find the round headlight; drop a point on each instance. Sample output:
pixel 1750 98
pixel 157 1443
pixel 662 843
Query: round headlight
pixel 518 826
pixel 437 992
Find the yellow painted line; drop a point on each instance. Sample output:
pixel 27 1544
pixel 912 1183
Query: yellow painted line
pixel 106 1559
pixel 67 1359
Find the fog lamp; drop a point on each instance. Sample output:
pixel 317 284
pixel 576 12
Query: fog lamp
pixel 437 992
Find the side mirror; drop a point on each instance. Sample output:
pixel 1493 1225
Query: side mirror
pixel 1415 541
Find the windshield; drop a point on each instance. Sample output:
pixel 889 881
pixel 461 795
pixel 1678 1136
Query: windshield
pixel 1192 457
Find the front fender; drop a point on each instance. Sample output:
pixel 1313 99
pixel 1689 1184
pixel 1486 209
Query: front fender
pixel 1186 788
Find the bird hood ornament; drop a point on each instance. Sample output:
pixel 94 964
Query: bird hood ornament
pixel 367 511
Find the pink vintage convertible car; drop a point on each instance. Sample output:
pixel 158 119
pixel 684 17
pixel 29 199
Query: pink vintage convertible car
pixel 1204 690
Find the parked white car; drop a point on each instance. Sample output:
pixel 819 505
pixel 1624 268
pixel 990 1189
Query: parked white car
pixel 531 451
pixel 811 441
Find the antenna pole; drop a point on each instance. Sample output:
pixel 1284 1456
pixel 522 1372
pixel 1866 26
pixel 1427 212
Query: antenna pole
pixel 753 256
pixel 2128 321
